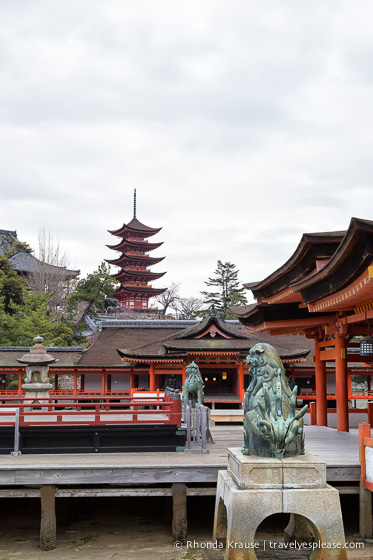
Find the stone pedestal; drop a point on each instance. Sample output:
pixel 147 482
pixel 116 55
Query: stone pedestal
pixel 36 393
pixel 253 488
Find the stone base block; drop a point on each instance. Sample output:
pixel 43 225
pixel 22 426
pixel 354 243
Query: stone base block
pixel 304 471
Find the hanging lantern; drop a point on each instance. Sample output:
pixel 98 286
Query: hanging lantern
pixel 366 346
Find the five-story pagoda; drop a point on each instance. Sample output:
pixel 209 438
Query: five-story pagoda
pixel 134 275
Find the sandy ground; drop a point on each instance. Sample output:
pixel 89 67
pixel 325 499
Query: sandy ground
pixel 124 529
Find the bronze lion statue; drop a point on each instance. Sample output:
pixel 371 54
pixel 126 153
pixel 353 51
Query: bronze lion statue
pixel 193 386
pixel 272 425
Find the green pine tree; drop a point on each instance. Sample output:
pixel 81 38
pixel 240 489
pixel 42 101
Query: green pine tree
pixel 226 290
pixel 94 288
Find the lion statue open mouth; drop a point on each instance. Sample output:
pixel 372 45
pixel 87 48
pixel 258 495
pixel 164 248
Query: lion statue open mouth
pixel 272 425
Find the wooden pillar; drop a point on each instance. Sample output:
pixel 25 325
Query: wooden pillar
pixel 320 378
pixel 20 383
pixel 368 381
pixel 341 384
pixel 184 374
pixel 103 376
pixel 48 518
pixel 151 378
pixel 349 386
pixel 241 384
pixel 131 381
pixel 75 389
pixel 56 382
pixel 179 513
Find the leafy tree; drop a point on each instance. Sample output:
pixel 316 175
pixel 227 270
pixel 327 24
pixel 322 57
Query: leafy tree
pixel 33 318
pixel 226 290
pixel 12 285
pixel 95 288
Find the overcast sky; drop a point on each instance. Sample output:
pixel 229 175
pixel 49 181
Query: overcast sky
pixel 241 124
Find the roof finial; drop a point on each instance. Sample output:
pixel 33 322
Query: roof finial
pixel 134 204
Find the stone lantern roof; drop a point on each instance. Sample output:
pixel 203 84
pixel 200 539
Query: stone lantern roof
pixel 37 356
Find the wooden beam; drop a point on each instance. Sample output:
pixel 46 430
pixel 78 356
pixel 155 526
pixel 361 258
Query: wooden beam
pixel 48 518
pixel 179 513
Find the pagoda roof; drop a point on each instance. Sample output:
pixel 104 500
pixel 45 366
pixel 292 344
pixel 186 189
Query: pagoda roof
pixel 235 340
pixel 139 290
pixel 144 259
pixel 312 247
pixel 135 244
pixel 147 274
pixel 135 226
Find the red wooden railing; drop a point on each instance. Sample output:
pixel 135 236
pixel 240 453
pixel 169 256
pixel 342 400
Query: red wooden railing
pixel 92 411
pixel 364 441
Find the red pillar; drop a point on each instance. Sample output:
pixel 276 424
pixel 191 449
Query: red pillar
pixel 241 385
pixel 20 383
pixel 341 384
pixel 103 383
pixel 184 374
pixel 320 375
pixel 151 378
pixel 75 390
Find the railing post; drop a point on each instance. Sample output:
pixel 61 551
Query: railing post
pixel 313 413
pixel 365 509
pixel 16 451
pixel 370 412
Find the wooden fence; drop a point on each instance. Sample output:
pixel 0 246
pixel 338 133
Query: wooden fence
pixel 198 431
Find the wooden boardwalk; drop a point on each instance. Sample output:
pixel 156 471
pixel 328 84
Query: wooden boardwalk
pixel 338 449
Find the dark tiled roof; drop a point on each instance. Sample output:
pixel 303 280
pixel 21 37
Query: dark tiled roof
pixel 178 342
pixel 65 357
pixel 26 262
pixel 104 351
pixel 200 327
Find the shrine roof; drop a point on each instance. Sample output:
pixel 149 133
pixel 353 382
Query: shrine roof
pixel 202 326
pixel 103 353
pixel 312 247
pixel 258 314
pixel 65 356
pixel 352 257
pixel 184 342
pixel 27 262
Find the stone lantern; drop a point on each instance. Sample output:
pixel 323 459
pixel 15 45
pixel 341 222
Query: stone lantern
pixel 37 362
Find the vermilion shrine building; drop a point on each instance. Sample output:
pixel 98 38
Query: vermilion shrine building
pixel 325 293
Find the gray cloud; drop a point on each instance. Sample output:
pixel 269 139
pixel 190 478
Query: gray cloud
pixel 241 125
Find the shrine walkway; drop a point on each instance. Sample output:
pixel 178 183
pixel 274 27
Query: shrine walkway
pixel 338 449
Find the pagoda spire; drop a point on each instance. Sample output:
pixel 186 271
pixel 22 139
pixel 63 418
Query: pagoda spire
pixel 134 204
